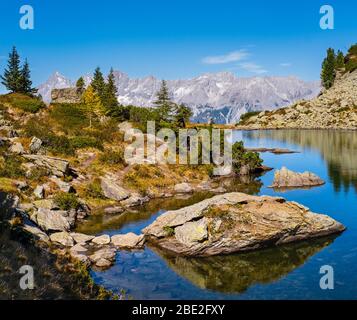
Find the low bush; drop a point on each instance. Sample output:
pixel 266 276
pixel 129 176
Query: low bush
pixel 10 167
pixel 112 157
pixel 81 142
pixel 66 201
pixel 94 190
pixel 244 117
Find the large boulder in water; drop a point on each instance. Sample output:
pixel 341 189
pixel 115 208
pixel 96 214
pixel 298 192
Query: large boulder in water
pixel 236 222
pixel 285 178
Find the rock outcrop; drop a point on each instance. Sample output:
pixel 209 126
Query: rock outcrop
pixel 237 222
pixel 58 167
pixel 66 95
pixel 285 178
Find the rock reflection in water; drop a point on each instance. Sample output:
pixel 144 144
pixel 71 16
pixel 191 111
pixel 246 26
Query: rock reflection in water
pixel 338 148
pixel 236 273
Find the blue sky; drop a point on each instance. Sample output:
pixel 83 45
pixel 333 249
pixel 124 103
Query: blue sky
pixel 177 38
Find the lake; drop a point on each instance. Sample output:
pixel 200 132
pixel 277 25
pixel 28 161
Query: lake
pixel 287 272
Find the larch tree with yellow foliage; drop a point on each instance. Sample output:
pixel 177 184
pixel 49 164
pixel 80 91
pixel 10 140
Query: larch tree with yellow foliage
pixel 93 104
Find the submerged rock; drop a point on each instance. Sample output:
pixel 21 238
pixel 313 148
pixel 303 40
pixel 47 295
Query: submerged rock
pixel 236 222
pixel 285 178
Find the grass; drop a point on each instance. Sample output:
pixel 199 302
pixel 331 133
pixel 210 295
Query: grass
pixel 7 185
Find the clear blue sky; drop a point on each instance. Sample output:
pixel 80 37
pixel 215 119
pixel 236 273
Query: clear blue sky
pixel 176 38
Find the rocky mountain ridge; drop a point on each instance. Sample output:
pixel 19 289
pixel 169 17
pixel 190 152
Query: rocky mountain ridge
pixel 335 108
pixel 221 96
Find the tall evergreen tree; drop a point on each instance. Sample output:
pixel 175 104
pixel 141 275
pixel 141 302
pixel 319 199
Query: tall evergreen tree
pixel 340 60
pixel 163 103
pixel 328 73
pixel 12 74
pixel 80 86
pixel 98 83
pixel 182 115
pixel 110 94
pixel 25 80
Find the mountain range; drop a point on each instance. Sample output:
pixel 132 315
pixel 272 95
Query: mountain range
pixel 221 96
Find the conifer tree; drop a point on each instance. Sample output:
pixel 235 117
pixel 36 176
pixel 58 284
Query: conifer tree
pixel 163 103
pixel 340 60
pixel 110 95
pixel 25 80
pixel 182 115
pixel 80 86
pixel 98 83
pixel 12 74
pixel 328 73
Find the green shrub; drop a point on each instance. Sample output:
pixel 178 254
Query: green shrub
pixel 241 157
pixel 54 143
pixel 94 190
pixel 38 173
pixel 112 157
pixel 66 201
pixel 81 142
pixel 11 167
pixel 70 117
pixel 244 117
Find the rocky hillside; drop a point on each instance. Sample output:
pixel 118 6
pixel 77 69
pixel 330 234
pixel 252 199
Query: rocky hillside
pixel 335 108
pixel 221 96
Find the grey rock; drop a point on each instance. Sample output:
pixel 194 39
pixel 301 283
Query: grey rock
pixel 17 148
pixel 62 238
pixel 192 233
pixel 113 191
pixel 237 222
pixel 52 220
pixel 183 188
pixel 285 178
pixel 81 238
pixel 101 240
pixel 39 192
pixel 35 145
pixel 129 240
pixel 58 167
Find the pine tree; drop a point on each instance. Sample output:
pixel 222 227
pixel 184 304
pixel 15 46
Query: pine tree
pixel 182 115
pixel 12 75
pixel 163 103
pixel 25 80
pixel 110 95
pixel 80 86
pixel 328 73
pixel 340 60
pixel 98 83
pixel 93 104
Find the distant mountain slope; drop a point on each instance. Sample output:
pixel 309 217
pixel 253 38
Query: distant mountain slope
pixel 222 96
pixel 335 108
